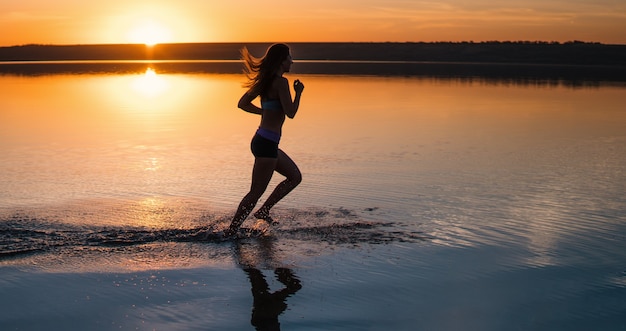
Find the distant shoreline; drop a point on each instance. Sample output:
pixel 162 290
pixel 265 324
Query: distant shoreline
pixel 572 53
pixel 573 62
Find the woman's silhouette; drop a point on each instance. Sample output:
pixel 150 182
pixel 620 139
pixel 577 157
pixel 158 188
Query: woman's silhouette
pixel 265 80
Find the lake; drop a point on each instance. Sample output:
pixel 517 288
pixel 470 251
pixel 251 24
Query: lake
pixel 427 203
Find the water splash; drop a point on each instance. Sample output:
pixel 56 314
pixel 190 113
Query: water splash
pixel 22 234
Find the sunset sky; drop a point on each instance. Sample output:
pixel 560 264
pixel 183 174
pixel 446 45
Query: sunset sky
pixel 128 21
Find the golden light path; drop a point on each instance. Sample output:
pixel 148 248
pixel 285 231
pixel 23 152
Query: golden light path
pixel 150 84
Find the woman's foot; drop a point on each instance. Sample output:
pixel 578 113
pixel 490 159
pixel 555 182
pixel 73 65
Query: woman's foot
pixel 230 231
pixel 266 217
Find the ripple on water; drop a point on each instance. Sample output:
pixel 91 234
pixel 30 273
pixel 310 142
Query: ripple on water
pixel 49 242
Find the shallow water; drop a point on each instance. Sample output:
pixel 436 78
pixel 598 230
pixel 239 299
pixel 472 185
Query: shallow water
pixel 427 203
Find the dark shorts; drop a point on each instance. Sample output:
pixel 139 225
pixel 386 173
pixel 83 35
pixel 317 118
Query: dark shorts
pixel 263 147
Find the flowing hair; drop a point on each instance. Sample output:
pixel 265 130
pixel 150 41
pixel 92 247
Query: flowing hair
pixel 260 71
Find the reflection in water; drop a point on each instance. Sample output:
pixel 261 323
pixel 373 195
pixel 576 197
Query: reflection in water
pixel 150 84
pixel 152 164
pixel 267 305
pixel 515 74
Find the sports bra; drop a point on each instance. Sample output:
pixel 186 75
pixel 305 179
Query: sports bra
pixel 271 104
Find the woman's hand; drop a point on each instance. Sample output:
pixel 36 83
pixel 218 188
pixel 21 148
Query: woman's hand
pixel 298 86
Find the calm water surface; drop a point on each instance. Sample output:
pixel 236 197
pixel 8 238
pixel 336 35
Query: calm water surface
pixel 435 204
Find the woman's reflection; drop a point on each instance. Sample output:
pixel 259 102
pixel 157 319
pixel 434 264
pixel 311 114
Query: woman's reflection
pixel 267 305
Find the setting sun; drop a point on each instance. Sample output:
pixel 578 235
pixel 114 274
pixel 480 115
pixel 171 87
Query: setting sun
pixel 149 33
pixel 193 21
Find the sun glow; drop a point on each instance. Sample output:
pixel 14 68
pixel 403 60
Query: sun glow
pixel 150 33
pixel 150 84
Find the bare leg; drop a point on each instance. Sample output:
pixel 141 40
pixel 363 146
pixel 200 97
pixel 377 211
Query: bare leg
pixel 261 176
pixel 286 167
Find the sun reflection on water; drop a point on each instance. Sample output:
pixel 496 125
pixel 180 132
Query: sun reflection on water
pixel 149 84
pixel 152 212
pixel 152 164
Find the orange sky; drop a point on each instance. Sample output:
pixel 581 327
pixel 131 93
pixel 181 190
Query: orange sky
pixel 124 21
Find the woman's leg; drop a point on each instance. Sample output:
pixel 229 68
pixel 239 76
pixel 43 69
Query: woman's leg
pixel 286 167
pixel 261 176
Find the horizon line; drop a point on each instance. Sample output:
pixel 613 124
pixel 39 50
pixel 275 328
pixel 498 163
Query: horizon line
pixel 553 42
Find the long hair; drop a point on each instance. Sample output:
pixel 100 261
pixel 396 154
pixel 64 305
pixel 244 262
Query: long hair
pixel 261 71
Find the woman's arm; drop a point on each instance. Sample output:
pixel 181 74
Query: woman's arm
pixel 245 103
pixel 289 107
